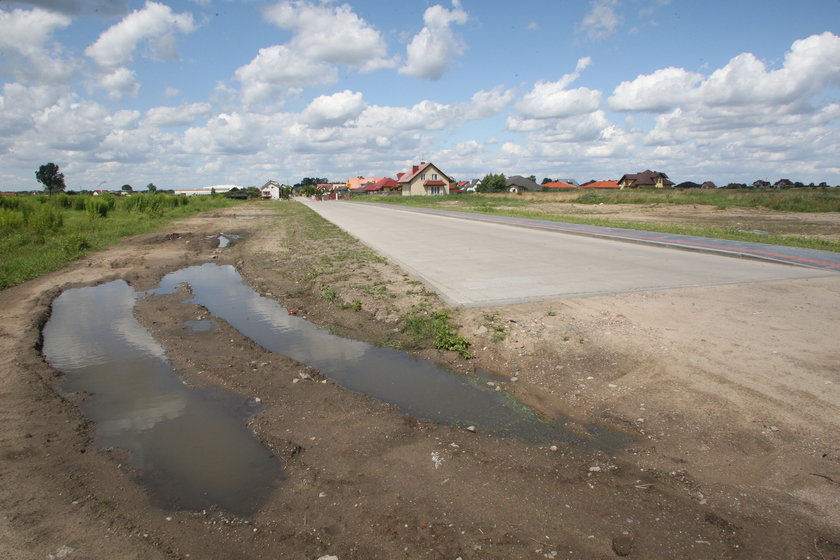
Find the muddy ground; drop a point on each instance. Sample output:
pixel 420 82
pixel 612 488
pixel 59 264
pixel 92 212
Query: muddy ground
pixel 731 394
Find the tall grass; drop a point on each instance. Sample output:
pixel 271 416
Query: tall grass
pixel 39 234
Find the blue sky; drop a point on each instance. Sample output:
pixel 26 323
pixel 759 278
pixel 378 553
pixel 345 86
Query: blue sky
pixel 205 92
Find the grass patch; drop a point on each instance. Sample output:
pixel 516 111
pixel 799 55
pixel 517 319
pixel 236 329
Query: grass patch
pixel 423 325
pixel 40 234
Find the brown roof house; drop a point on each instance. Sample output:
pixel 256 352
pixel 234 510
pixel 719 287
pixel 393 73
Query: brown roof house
pixel 518 183
pixel 424 179
pixel 644 179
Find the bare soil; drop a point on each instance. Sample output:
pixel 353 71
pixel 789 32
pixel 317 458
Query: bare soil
pixel 731 394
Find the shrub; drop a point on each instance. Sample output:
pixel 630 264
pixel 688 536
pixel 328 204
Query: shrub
pixel 45 219
pixel 99 206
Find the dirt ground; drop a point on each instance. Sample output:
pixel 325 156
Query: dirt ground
pixel 731 394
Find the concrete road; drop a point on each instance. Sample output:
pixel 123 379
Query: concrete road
pixel 473 263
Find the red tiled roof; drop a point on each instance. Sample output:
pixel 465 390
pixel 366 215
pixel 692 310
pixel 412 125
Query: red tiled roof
pixel 433 183
pixel 383 183
pixel 602 185
pixel 558 185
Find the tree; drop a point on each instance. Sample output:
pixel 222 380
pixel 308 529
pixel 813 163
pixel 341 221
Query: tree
pixel 151 187
pixel 492 183
pixel 53 180
pixel 127 189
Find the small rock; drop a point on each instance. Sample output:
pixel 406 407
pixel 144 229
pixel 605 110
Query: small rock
pixel 595 469
pixel 553 448
pixel 328 557
pixel 62 552
pixel 322 495
pixel 471 429
pixel 480 330
pixel 622 545
pixel 514 379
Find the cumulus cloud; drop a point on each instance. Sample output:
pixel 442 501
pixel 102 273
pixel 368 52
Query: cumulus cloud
pixel 334 110
pixel 323 37
pixel 655 92
pixel 155 25
pixel 119 84
pixel 162 117
pixel 744 90
pixel 332 34
pixel 26 48
pixel 276 69
pixel 553 100
pixel 431 51
pixel 601 21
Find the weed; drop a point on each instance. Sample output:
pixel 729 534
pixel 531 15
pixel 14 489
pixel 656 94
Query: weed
pixel 496 326
pixel 357 305
pixel 424 325
pixel 551 313
pixel 329 294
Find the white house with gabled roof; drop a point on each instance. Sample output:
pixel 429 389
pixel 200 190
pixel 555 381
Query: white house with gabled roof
pixel 425 179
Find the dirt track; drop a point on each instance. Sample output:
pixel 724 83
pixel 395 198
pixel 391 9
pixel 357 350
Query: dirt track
pixel 731 393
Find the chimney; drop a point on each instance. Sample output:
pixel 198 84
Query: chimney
pixel 414 169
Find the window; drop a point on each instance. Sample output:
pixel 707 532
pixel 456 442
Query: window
pixel 434 177
pixel 434 190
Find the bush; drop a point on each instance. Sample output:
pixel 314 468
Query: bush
pixel 45 219
pixel 99 206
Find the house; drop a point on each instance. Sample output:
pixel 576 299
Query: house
pixel 270 190
pixel 357 184
pixel 688 185
pixel 601 185
pixel 518 183
pixel 558 185
pixel 783 183
pixel 383 185
pixel 468 186
pixel 424 179
pixel 645 179
pixel 708 185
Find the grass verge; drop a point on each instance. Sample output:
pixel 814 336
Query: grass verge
pixel 40 234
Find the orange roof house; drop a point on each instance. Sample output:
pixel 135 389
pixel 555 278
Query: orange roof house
pixel 356 184
pixel 602 185
pixel 558 185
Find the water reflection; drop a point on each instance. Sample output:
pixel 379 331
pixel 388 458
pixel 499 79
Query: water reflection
pixel 189 447
pixel 416 387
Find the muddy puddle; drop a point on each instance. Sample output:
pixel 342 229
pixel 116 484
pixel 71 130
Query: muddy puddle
pixel 418 388
pixel 190 448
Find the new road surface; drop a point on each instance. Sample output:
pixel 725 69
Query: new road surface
pixel 474 260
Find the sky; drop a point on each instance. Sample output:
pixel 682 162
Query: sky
pixel 193 93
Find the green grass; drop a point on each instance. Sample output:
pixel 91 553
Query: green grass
pixel 792 200
pixel 40 234
pixel 424 325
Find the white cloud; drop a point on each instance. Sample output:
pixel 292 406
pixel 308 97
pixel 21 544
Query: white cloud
pixel 552 100
pixel 335 35
pixel 161 117
pixel 485 104
pixel 655 92
pixel 743 92
pixel 226 133
pixel 155 23
pixel 431 51
pixel 277 69
pixel 26 49
pixel 601 21
pixel 119 83
pixel 334 110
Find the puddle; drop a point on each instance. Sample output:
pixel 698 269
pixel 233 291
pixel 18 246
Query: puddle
pixel 190 447
pixel 246 217
pixel 416 387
